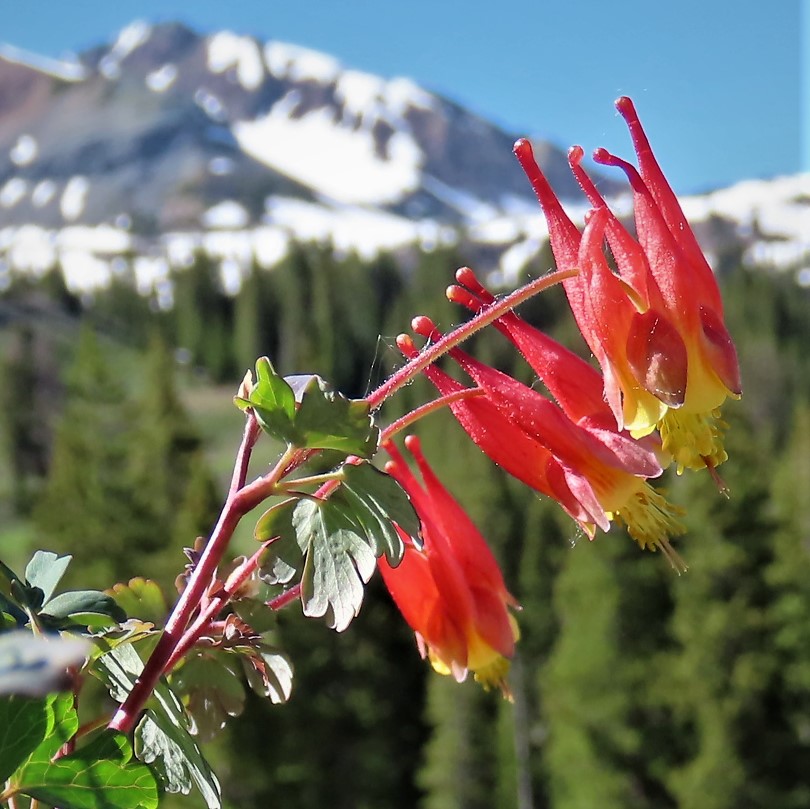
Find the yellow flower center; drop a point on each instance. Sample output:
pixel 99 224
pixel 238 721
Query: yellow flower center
pixel 695 440
pixel 651 520
pixel 493 675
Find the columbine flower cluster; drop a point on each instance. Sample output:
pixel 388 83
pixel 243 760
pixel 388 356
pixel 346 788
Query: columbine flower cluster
pixel 654 325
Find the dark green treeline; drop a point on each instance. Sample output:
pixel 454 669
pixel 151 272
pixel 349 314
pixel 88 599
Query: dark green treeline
pixel 634 687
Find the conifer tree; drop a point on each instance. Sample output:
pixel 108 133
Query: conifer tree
pixel 86 507
pixel 24 385
pixel 789 574
pixel 203 318
pixel 172 489
pixel 585 688
pixel 457 772
pixel 718 677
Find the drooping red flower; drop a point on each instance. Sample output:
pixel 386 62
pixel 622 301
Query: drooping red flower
pixel 656 324
pixel 450 591
pixel 604 468
pixel 504 442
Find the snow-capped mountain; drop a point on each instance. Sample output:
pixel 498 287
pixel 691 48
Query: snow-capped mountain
pixel 166 142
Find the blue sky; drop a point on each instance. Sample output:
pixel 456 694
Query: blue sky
pixel 717 82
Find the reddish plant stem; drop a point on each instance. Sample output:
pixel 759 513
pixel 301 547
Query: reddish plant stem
pixel 216 602
pixel 240 468
pixel 285 598
pixel 238 503
pixel 462 333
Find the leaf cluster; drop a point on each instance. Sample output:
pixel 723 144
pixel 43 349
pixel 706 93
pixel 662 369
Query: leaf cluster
pixel 98 775
pixel 307 413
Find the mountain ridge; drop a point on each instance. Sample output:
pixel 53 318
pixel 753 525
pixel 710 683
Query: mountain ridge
pixel 166 141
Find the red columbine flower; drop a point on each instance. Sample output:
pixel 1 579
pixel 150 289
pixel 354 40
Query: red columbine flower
pixel 656 327
pixel 505 443
pixel 450 591
pixel 605 469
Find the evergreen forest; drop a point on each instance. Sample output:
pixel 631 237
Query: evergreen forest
pixel 634 687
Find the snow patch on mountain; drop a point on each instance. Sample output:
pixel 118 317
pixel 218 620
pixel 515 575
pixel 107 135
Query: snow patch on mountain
pixel 229 51
pixel 343 164
pixel 24 151
pixel 471 208
pixel 74 198
pixel 160 80
pixel 294 63
pixel 12 192
pixel 226 214
pixel 775 212
pixel 44 191
pixel 129 38
pixel 210 104
pixel 67 69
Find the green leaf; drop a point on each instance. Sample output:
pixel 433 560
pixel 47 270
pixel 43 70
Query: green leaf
pixel 328 420
pixel 78 602
pixel 273 401
pixel 173 752
pixel 109 745
pixel 162 737
pixel 30 597
pixel 97 776
pixel 7 621
pixel 36 666
pixel 283 557
pixel 141 598
pixel 213 691
pixel 24 723
pixel 10 608
pixel 378 500
pixel 339 561
pixel 269 672
pixel 256 614
pixel 45 570
pixel 65 723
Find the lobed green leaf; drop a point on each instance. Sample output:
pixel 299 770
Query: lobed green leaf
pixel 378 500
pixel 162 738
pixel 338 562
pixel 328 420
pixel 283 557
pixel 141 598
pixel 45 570
pixel 80 602
pixel 211 684
pixel 273 402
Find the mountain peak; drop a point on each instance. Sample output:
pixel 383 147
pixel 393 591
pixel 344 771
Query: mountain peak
pixel 165 130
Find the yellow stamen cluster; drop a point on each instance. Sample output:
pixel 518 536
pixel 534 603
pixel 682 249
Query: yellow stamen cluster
pixel 651 520
pixel 493 675
pixel 694 440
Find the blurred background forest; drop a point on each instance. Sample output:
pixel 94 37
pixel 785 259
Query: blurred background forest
pixel 634 687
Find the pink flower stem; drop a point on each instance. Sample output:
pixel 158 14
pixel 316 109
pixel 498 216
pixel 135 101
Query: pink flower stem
pixel 426 409
pixel 486 316
pixel 240 500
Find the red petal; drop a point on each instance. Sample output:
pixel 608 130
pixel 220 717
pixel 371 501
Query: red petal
pixel 638 459
pixel 667 202
pixel 721 350
pixel 657 355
